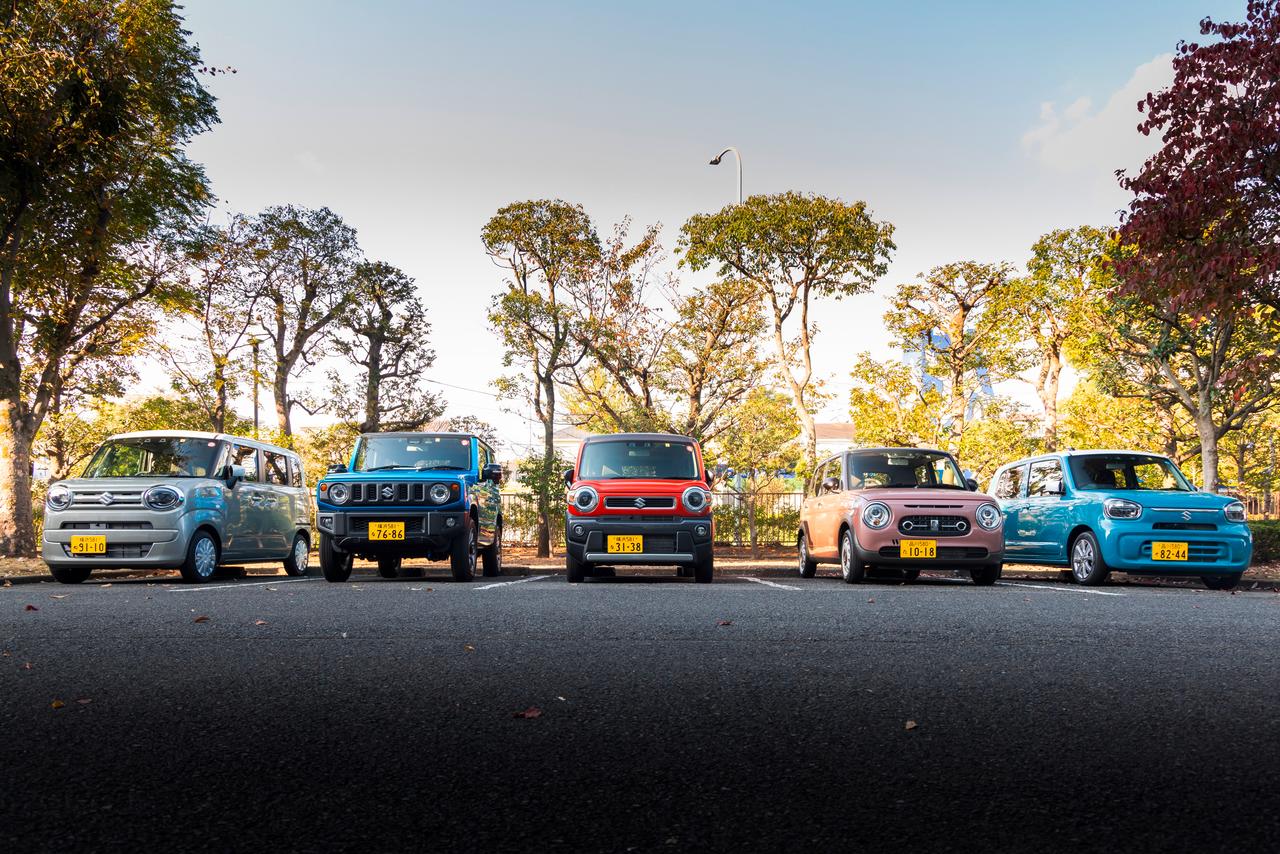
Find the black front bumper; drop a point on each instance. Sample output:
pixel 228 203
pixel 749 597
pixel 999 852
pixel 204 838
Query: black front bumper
pixel 666 540
pixel 426 532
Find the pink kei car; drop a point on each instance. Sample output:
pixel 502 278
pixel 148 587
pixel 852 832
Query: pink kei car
pixel 898 508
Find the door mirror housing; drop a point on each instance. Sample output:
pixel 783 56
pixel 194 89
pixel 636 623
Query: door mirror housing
pixel 568 477
pixel 831 484
pixel 1053 486
pixel 708 477
pixel 972 483
pixel 235 474
pixel 492 472
pixel 337 468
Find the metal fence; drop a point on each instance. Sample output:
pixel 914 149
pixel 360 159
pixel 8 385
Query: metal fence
pixel 777 516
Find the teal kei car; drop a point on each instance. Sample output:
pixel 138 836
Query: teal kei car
pixel 1098 511
pixel 432 495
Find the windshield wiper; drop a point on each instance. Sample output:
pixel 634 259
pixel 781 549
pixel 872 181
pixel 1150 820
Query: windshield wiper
pixel 390 466
pixel 445 468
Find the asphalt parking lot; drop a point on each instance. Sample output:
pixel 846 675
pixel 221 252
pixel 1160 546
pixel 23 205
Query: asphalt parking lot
pixel 527 714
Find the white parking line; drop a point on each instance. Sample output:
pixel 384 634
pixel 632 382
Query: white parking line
pixel 230 586
pixel 1060 589
pixel 517 581
pixel 769 583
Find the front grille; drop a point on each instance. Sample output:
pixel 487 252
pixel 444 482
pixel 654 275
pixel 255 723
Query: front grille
pixel 412 524
pixel 109 526
pixel 399 492
pixel 1196 552
pixel 934 526
pixel 640 502
pixel 95 499
pixel 128 550
pixel 944 552
pixel 1184 526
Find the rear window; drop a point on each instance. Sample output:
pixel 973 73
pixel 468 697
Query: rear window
pixel 643 458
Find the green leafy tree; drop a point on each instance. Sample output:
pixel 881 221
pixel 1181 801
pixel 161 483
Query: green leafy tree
pixel 1003 433
pixel 758 443
pixel 475 426
pixel 383 337
pixel 792 249
pixel 97 103
pixel 889 405
pixel 545 247
pixel 957 319
pixel 1093 419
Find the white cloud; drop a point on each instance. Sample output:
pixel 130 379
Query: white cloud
pixel 1081 140
pixel 310 162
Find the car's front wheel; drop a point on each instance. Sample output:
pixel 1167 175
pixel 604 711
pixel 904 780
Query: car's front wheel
pixel 852 569
pixel 910 574
pixel 1087 566
pixel 389 567
pixel 704 570
pixel 808 566
pixel 296 563
pixel 1222 582
pixel 492 556
pixel 574 569
pixel 462 553
pixel 202 558
pixel 70 574
pixel 335 565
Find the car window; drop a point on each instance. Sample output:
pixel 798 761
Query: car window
pixel 1127 471
pixel 277 468
pixel 1042 471
pixel 1009 484
pixel 482 452
pixel 835 469
pixel 247 456
pixel 904 468
pixel 656 458
pixel 815 488
pixel 296 475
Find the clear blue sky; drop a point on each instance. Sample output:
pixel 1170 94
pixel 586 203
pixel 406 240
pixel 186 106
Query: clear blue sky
pixel 973 127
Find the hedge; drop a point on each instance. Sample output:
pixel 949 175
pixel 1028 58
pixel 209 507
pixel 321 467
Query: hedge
pixel 1266 540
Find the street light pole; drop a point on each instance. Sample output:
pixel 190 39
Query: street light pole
pixel 737 156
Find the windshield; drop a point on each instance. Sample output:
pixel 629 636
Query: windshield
pixel 621 459
pixel 1127 471
pixel 155 456
pixel 904 469
pixel 384 453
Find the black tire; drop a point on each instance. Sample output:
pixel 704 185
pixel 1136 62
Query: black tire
pixel 203 555
pixel 1066 575
pixel 463 552
pixel 574 569
pixel 985 576
pixel 910 575
pixel 299 559
pixel 684 571
pixel 1087 565
pixel 852 569
pixel 1222 582
pixel 491 558
pixel 704 571
pixel 389 567
pixel 808 566
pixel 70 574
pixel 335 565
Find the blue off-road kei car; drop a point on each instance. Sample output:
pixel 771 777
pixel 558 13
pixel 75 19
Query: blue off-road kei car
pixel 432 495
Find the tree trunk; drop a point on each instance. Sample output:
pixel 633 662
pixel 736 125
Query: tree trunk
pixel 548 468
pixel 751 523
pixel 1047 387
pixel 219 419
pixel 280 389
pixel 17 528
pixel 1208 433
pixel 959 409
pixel 372 390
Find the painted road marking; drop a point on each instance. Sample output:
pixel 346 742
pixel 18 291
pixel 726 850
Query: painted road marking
pixel 233 586
pixel 1060 589
pixel 517 581
pixel 769 583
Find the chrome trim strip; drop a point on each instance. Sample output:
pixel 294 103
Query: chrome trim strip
pixel 649 557
pixel 1185 509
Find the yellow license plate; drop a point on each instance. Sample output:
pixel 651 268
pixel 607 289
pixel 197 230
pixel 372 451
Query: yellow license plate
pixel 628 544
pixel 89 545
pixel 1169 551
pixel 917 549
pixel 386 530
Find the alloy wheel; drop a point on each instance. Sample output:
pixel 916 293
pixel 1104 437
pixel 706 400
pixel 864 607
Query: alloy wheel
pixel 206 557
pixel 301 553
pixel 1082 558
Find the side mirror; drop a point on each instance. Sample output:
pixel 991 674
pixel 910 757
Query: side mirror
pixel 831 484
pixel 337 468
pixel 568 477
pixel 492 472
pixel 1053 486
pixel 235 474
pixel 972 483
pixel 708 477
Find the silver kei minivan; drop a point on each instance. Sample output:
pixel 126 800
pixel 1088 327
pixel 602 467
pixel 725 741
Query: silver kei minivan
pixel 178 499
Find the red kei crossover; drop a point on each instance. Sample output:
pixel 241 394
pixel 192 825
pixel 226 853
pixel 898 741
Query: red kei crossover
pixel 639 499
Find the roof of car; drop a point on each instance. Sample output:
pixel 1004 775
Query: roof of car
pixel 409 434
pixel 1072 452
pixel 638 437
pixel 198 434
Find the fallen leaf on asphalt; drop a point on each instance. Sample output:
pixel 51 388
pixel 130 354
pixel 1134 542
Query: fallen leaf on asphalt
pixel 725 623
pixel 468 648
pixel 344 634
pixel 415 588
pixel 201 619
pixel 531 712
pixel 871 601
pixel 84 701
pixel 57 704
pixel 27 666
pixel 910 725
pixel 273 589
pixel 59 595
pixel 8 583
pixel 30 608
pixel 562 699
pixel 108 584
pixel 259 622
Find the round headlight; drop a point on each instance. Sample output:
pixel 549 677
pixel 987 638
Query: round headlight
pixel 438 493
pixel 1121 508
pixel 584 499
pixel 1235 512
pixel 695 499
pixel 59 498
pixel 876 515
pixel 988 516
pixel 339 493
pixel 162 498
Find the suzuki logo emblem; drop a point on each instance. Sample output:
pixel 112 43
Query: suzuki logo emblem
pixel 106 498
pixel 933 524
pixel 1186 515
pixel 639 503
pixel 388 492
